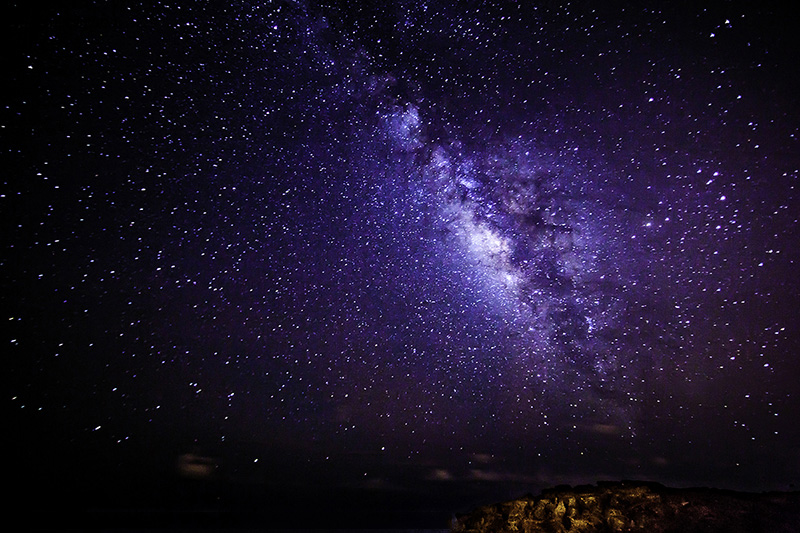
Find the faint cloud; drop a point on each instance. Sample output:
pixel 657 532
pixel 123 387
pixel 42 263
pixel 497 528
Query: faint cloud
pixel 605 429
pixel 440 474
pixel 195 466
pixel 482 458
pixel 486 475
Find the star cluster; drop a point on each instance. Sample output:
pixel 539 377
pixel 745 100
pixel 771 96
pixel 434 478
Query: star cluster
pixel 421 246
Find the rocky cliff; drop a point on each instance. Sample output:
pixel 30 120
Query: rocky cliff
pixel 637 507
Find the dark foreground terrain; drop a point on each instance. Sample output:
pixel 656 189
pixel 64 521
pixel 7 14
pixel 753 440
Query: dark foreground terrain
pixel 637 506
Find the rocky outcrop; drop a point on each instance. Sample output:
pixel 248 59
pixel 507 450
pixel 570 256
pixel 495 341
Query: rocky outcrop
pixel 637 507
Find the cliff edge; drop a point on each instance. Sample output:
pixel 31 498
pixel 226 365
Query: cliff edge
pixel 632 506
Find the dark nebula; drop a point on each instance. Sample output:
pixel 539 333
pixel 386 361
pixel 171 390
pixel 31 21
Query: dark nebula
pixel 428 254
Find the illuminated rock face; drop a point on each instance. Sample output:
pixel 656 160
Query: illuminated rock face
pixel 637 507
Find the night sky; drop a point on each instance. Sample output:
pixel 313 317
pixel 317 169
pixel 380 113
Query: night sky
pixel 425 253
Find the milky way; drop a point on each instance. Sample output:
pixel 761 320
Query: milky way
pixel 422 247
